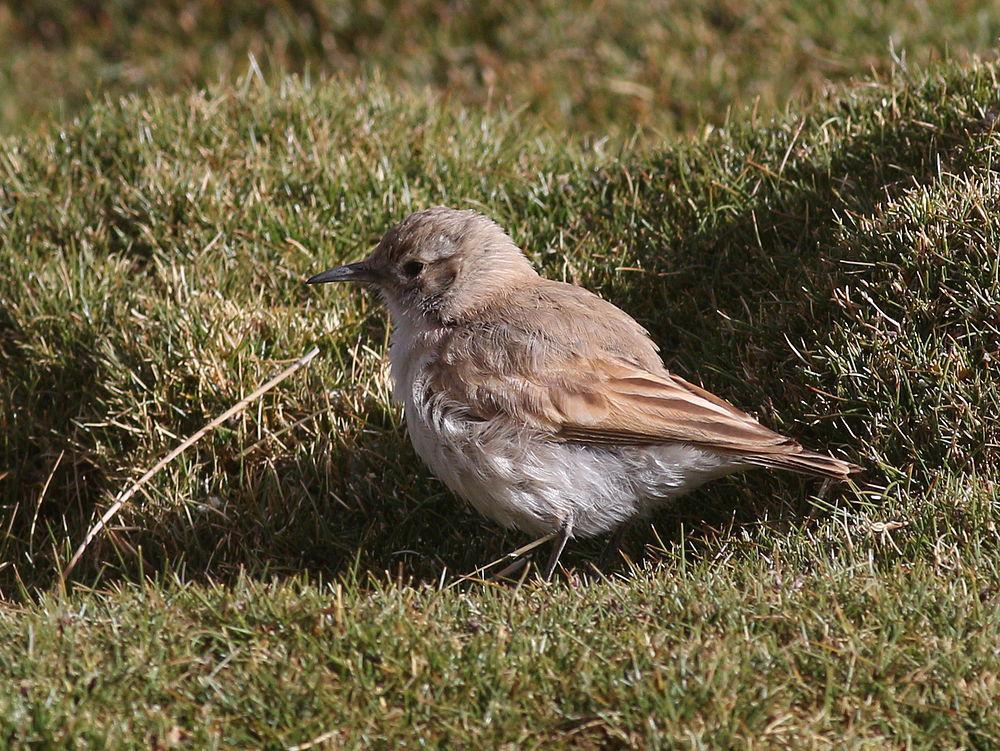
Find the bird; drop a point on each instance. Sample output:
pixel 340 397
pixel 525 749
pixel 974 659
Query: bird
pixel 544 406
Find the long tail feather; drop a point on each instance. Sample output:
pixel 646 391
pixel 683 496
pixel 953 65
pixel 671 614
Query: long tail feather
pixel 807 463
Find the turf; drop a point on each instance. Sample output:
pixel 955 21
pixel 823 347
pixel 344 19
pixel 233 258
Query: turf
pixel 610 67
pixel 834 269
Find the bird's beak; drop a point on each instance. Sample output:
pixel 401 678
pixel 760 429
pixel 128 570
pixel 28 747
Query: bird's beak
pixel 352 272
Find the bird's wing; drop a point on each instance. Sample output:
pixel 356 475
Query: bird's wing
pixel 576 368
pixel 626 405
pixel 602 398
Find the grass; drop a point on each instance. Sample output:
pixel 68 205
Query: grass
pixel 833 268
pixel 790 642
pixel 582 66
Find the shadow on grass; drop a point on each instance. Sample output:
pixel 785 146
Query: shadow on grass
pixel 348 511
pixel 49 479
pixel 729 300
pixel 413 531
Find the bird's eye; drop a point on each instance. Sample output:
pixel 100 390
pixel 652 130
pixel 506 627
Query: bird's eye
pixel 412 269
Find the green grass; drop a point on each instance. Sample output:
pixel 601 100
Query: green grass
pixel 582 66
pixel 827 639
pixel 835 270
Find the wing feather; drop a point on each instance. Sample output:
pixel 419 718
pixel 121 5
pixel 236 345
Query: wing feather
pixel 604 399
pixel 640 407
pixel 578 369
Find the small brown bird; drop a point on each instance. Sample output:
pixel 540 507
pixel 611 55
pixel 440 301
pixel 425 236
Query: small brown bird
pixel 544 406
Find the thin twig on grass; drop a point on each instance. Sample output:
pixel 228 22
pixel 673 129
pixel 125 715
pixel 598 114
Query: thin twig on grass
pixel 38 505
pixel 320 739
pixel 186 444
pixel 513 555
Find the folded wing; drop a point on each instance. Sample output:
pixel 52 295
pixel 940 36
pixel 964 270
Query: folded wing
pixel 603 399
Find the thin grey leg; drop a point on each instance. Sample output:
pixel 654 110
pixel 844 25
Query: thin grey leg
pixel 510 570
pixel 557 548
pixel 824 489
pixel 613 547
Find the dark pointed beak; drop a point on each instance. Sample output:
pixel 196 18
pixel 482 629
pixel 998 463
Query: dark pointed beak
pixel 352 272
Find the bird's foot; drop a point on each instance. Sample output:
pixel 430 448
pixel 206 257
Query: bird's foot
pixel 565 532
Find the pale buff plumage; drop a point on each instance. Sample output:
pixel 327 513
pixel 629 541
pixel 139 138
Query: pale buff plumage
pixel 544 406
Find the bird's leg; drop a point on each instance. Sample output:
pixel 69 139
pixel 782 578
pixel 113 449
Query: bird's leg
pixel 824 489
pixel 565 532
pixel 614 545
pixel 513 568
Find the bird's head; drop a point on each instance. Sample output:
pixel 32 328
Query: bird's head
pixel 440 266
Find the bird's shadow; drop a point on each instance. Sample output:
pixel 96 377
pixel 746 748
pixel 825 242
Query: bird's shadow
pixel 350 512
pixel 369 520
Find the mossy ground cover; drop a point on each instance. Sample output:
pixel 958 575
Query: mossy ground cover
pixel 834 269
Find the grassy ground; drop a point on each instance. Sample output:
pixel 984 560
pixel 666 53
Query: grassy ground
pixel 834 270
pixel 613 65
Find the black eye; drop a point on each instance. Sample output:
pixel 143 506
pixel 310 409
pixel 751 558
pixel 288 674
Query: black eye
pixel 412 269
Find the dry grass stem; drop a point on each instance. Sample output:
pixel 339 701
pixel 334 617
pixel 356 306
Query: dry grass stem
pixel 181 448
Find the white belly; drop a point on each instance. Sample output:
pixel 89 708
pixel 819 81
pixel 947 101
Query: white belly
pixel 521 479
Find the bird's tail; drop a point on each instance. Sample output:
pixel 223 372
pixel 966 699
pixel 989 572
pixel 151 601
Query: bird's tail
pixel 807 462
